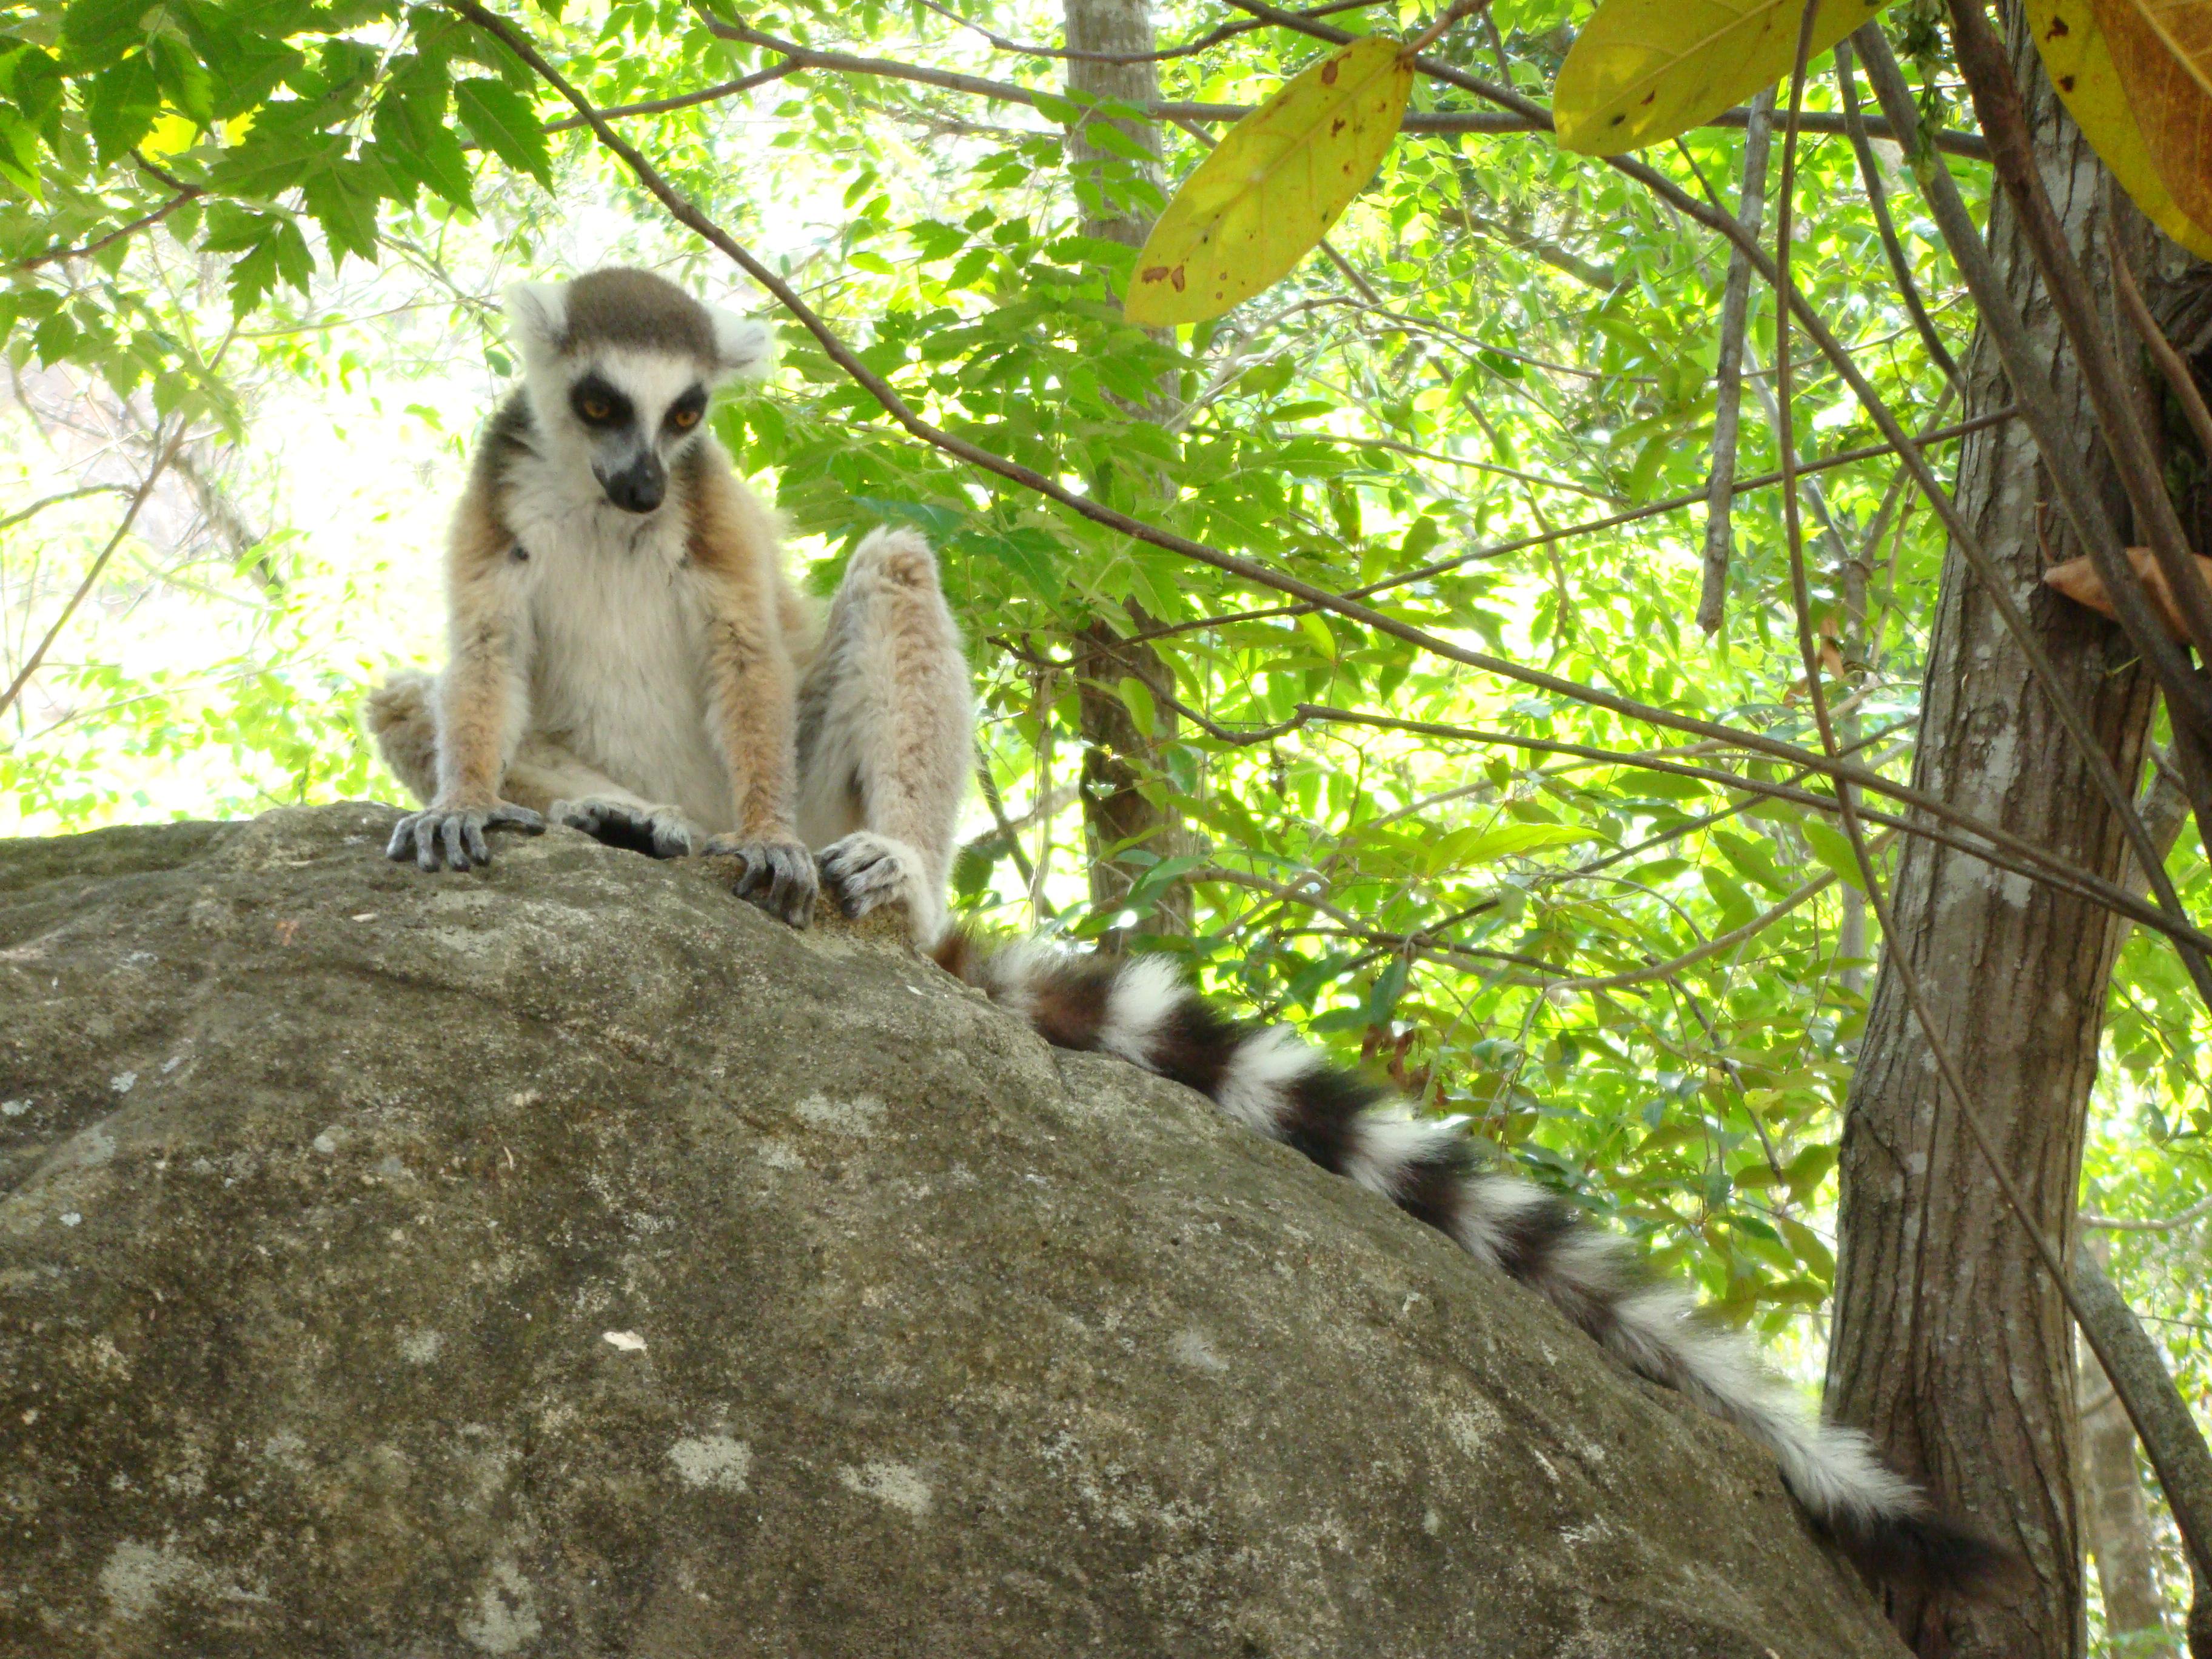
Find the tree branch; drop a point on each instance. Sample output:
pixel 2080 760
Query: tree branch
pixel 1727 381
pixel 92 576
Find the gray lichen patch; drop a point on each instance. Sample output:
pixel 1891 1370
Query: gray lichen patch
pixel 715 1460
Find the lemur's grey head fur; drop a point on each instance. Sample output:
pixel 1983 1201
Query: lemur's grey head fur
pixel 619 364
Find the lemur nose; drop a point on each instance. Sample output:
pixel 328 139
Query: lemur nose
pixel 639 488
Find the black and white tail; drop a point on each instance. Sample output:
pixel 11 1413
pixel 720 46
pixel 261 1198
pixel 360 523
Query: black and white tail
pixel 1271 1080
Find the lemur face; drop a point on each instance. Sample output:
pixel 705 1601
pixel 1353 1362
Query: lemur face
pixel 634 412
pixel 620 365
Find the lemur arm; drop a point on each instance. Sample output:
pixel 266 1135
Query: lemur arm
pixel 751 689
pixel 482 695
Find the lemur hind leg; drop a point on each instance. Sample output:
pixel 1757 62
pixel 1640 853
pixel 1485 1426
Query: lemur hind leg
pixel 886 735
pixel 546 777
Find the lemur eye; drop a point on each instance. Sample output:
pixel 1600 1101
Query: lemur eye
pixel 596 409
pixel 684 419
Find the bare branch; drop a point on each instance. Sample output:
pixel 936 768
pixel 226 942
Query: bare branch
pixel 186 193
pixel 1534 118
pixel 99 563
pixel 2180 377
pixel 2114 1224
pixel 1212 38
pixel 1728 386
pixel 682 100
pixel 1877 195
pixel 46 502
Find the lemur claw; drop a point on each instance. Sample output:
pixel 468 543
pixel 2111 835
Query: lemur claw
pixel 779 876
pixel 865 870
pixel 659 832
pixel 446 837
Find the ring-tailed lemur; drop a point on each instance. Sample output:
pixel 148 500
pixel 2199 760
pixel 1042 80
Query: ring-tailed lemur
pixel 629 657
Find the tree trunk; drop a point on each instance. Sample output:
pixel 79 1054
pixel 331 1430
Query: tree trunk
pixel 1951 1346
pixel 1119 762
pixel 2116 1516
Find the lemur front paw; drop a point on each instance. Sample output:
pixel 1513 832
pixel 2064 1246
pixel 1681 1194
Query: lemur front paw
pixel 660 832
pixel 454 836
pixel 777 875
pixel 865 870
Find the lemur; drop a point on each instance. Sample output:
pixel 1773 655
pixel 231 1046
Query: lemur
pixel 628 658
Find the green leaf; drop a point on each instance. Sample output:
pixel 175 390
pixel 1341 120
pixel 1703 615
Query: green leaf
pixel 182 78
pixel 1755 863
pixel 1311 625
pixel 1463 848
pixel 1736 906
pixel 343 197
pixel 121 108
pixel 503 121
pixel 413 140
pixel 1137 697
pixel 1643 72
pixel 97 33
pixel 1833 849
pixel 1273 185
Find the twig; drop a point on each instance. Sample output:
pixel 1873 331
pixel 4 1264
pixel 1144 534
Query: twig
pixel 1592 527
pixel 187 193
pixel 1728 386
pixel 1212 38
pixel 1452 14
pixel 2171 363
pixel 99 563
pixel 2114 1224
pixel 1991 844
pixel 1532 118
pixel 682 100
pixel 1877 195
pixel 46 502
pixel 1712 947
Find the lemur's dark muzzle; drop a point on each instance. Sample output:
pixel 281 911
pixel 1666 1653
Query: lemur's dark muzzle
pixel 639 487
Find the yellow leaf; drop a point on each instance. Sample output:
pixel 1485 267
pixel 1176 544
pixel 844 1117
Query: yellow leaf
pixel 1273 185
pixel 2160 53
pixel 2079 60
pixel 173 134
pixel 1643 72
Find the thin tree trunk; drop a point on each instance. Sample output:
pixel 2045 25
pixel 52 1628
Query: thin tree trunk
pixel 2116 1516
pixel 1951 1346
pixel 1124 804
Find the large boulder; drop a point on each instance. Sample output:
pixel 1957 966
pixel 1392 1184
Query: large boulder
pixel 570 1261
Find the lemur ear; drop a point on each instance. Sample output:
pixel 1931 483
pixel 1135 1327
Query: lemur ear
pixel 743 346
pixel 537 315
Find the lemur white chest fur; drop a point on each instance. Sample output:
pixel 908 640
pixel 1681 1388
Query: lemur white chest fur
pixel 618 623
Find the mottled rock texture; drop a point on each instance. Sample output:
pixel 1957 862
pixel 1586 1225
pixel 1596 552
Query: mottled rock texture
pixel 570 1261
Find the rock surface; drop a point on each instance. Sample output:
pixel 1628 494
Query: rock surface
pixel 570 1261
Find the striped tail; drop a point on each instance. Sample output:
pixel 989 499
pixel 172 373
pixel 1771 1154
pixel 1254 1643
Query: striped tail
pixel 1271 1080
